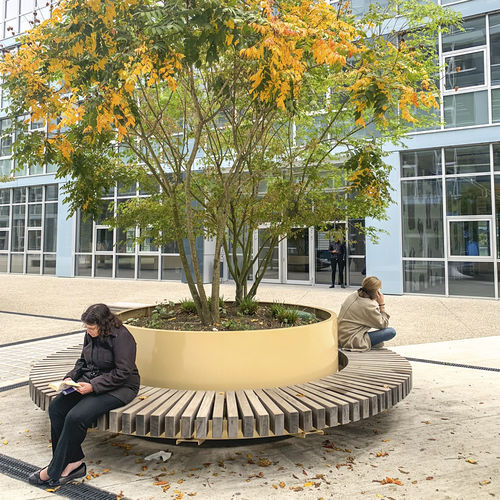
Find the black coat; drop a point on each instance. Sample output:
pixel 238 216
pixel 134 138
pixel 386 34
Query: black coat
pixel 109 365
pixel 339 247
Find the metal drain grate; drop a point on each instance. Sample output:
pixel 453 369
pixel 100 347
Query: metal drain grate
pixel 457 365
pixel 20 470
pixel 13 386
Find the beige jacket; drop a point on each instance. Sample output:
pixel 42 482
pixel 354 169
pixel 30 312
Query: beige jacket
pixel 357 316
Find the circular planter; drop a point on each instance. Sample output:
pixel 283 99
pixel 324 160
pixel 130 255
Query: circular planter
pixel 232 360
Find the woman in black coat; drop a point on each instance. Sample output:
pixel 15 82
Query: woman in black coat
pixel 108 379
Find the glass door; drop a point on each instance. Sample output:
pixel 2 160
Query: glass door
pixel 272 273
pixel 298 256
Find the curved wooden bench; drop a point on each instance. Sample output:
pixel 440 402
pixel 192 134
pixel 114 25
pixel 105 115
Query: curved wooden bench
pixel 368 383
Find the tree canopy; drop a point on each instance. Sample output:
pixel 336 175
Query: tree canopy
pixel 231 114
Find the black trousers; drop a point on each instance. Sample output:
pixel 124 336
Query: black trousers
pixel 340 264
pixel 70 417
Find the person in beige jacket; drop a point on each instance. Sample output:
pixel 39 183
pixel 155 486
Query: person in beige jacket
pixel 362 311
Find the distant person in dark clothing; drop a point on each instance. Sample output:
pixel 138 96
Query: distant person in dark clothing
pixel 337 259
pixel 108 378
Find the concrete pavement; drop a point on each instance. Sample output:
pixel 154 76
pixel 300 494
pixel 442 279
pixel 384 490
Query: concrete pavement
pixel 441 442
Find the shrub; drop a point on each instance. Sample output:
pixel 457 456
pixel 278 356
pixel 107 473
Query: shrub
pixel 283 314
pixel 276 308
pixel 188 306
pixel 248 306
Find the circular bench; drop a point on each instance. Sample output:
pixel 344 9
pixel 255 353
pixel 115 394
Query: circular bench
pixel 367 383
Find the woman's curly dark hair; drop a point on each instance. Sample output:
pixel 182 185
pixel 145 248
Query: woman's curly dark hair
pixel 101 315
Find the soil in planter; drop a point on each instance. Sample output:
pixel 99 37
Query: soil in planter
pixel 171 316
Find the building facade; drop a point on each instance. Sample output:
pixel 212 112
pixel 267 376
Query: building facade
pixel 442 235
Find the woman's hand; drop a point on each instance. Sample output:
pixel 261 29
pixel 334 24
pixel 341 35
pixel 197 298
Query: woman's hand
pixel 84 388
pixel 380 298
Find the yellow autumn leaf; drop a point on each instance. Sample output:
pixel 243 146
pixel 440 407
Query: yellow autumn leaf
pixel 5 442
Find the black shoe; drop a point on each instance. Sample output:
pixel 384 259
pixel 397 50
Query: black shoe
pixel 342 286
pixel 332 286
pixel 34 478
pixel 80 471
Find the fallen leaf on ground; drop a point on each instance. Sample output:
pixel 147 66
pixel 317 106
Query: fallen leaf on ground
pixel 160 483
pixel 429 478
pixel 264 462
pixel 389 480
pixel 472 461
pixel 382 454
pixel 484 483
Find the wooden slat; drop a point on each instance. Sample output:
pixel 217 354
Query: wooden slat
pixel 143 416
pixel 203 415
pixel 261 415
pixel 172 418
pixel 291 414
pixel 317 408
pixel 187 417
pixel 129 415
pixel 218 415
pixel 246 414
pixel 277 417
pixel 231 415
pixel 157 417
pixel 305 413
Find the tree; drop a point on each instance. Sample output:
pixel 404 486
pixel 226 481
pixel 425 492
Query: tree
pixel 205 102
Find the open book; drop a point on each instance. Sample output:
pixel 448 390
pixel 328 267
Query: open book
pixel 64 386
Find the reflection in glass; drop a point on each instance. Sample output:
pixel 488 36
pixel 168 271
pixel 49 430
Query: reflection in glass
pixel 103 266
pixel 4 240
pixel 356 271
pixel 272 271
pixel 125 266
pixel 17 244
pixel 297 252
pixel 35 193
pixel 472 279
pixel 467 160
pixel 3 263
pixel 170 247
pixel 19 195
pixel 171 267
pixel 84 232
pixel 4 196
pixel 356 241
pixel 470 238
pixel 471 33
pixel 33 263
pixel 50 228
pixel 495 105
pixel 83 265
pixel 35 215
pixel 17 263
pixel 422 207
pixel 496 156
pixel 51 192
pixel 125 239
pixel 495 48
pixel 323 267
pixel 423 277
pixel 106 212
pixel 465 70
pixel 497 217
pixel 420 163
pixel 468 196
pixel 49 264
pixel 104 241
pixel 4 216
pixel 466 110
pixel 148 267
pixel 35 239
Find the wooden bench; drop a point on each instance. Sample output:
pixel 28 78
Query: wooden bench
pixel 368 383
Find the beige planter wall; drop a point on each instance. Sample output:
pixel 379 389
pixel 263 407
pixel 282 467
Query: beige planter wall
pixel 236 360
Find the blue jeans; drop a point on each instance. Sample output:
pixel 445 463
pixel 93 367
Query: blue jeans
pixel 378 336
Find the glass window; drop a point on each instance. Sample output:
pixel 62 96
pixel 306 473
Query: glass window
pixel 51 192
pixel 465 70
pixel 17 263
pixel 474 34
pixel 125 267
pixel 3 263
pixel 496 156
pixel 323 267
pixel 148 246
pixel 170 247
pixel 33 263
pixel 467 160
pixel 4 240
pixel 11 8
pixel 497 215
pixel 4 216
pixel 468 196
pixel 103 266
pixel 35 239
pixel 356 271
pixel 495 105
pixel 422 207
pixel 495 48
pixel 18 213
pixel 20 195
pixel 356 244
pixel 423 277
pixel 125 240
pixel 35 215
pixel 148 267
pixel 49 264
pixel 171 267
pixel 27 6
pixel 125 190
pixel 465 110
pixel 470 238
pixel 84 232
pixel 5 167
pixel 420 163
pixel 106 212
pixel 472 279
pixel 35 193
pixel 4 196
pixel 35 170
pixel 104 241
pixel 272 271
pixel 50 228
pixel 83 265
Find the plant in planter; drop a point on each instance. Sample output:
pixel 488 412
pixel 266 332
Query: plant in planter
pixel 229 114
